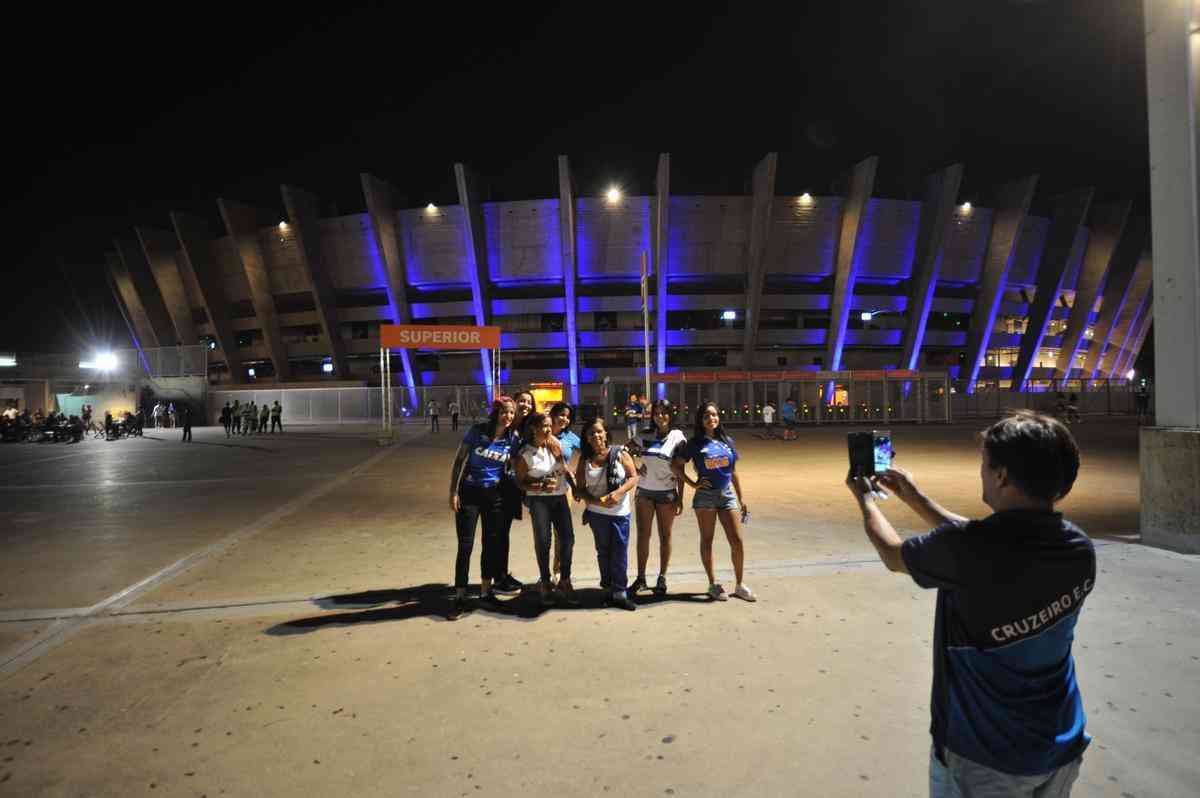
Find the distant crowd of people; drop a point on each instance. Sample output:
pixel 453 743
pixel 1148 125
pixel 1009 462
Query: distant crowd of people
pixel 250 418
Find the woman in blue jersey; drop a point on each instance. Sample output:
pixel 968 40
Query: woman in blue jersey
pixel 659 493
pixel 718 494
pixel 475 493
pixel 605 476
pixel 561 416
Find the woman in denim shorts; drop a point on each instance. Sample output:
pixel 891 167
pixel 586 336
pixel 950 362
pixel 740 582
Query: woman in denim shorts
pixel 718 494
pixel 659 493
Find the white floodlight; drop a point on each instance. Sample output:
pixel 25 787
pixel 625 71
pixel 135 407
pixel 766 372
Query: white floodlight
pixel 866 315
pixel 327 368
pixel 806 197
pixel 614 194
pixel 729 315
pixel 252 372
pixel 8 360
pixel 106 361
pixel 966 207
pixel 430 208
pixel 1129 375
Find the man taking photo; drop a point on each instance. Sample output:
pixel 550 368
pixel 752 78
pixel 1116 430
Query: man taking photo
pixel 1007 716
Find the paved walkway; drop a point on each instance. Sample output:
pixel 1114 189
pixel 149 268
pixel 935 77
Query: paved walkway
pixel 265 616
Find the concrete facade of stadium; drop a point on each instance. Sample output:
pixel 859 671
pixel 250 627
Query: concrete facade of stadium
pixel 990 292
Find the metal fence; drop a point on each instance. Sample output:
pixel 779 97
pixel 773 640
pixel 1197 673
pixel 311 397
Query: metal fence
pixel 1108 397
pixel 931 398
pixel 854 399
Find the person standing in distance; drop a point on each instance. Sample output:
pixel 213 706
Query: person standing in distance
pixel 1007 716
pixel 235 417
pixel 606 475
pixel 475 480
pixel 718 495
pixel 277 417
pixel 659 493
pixel 789 419
pixel 633 415
pixel 768 414
pixel 185 417
pixel 452 409
pixel 263 417
pixel 225 419
pixel 433 416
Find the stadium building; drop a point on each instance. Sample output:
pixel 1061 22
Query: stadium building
pixel 987 290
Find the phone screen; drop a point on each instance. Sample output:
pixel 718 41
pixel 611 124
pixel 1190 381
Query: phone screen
pixel 883 450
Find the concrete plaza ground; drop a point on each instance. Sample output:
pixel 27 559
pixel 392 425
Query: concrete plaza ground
pixel 265 616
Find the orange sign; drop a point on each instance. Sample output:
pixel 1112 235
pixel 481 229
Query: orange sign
pixel 438 336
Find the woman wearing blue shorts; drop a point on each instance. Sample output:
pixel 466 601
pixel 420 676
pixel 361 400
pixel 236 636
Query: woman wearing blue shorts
pixel 718 494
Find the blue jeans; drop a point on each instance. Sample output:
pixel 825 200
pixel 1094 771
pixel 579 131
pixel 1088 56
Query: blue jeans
pixel 612 550
pixel 962 778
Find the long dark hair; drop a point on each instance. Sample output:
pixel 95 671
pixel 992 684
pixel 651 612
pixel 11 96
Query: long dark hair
pixel 561 406
pixel 520 424
pixel 534 420
pixel 699 433
pixel 586 450
pixel 494 419
pixel 662 406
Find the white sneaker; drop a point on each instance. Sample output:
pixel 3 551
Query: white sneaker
pixel 717 593
pixel 745 593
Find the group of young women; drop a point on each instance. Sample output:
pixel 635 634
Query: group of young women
pixel 520 459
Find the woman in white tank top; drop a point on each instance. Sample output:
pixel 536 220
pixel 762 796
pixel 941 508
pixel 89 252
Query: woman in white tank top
pixel 606 476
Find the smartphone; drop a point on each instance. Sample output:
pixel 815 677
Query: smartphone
pixel 881 445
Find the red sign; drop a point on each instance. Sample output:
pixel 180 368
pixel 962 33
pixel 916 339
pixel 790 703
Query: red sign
pixel 438 336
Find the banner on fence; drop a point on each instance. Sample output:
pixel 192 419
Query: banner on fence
pixel 438 336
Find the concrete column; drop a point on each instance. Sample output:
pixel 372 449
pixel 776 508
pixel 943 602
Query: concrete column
pixel 142 279
pixel 854 211
pixel 1170 452
pixel 756 254
pixel 570 268
pixel 1106 225
pixel 1070 210
pixel 139 324
pixel 160 249
pixel 243 224
pixel 937 214
pixel 661 260
pixel 477 261
pixel 196 255
pixel 1116 292
pixel 303 209
pixel 1173 80
pixel 381 206
pixel 1008 218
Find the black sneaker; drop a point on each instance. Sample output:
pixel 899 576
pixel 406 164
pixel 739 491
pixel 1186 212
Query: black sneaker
pixel 661 587
pixel 508 585
pixel 638 584
pixel 491 600
pixel 623 602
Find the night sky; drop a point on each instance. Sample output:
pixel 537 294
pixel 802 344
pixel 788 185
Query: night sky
pixel 125 115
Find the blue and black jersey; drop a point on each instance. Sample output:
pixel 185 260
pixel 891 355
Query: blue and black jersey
pixel 1010 588
pixel 488 456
